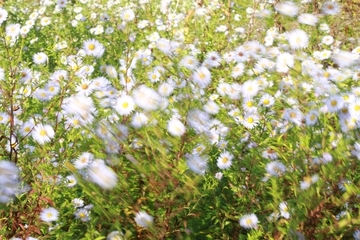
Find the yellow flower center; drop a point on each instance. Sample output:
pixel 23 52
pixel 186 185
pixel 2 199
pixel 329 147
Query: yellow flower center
pixel 91 47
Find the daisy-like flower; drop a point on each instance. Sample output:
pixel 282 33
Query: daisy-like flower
pixel 293 115
pixel 335 103
pixel 267 100
pixel 311 118
pixel 49 214
pixel 330 8
pixel 298 39
pixel 13 30
pixel 212 59
pixel 43 133
pixel 250 88
pixel 83 160
pixel 308 19
pixel 327 40
pixel 115 235
pixel 189 62
pixel 238 70
pixel 197 164
pixel 128 15
pixel 284 210
pixel 308 180
pixel 250 120
pixel 139 119
pixel 40 58
pixel 344 58
pixel 225 160
pixel 82 214
pixel 249 221
pixel 146 98
pixel 211 107
pixel 202 77
pixel 143 219
pixel 124 105
pixel 3 15
pixel 356 234
pixel 175 127
pixel 287 8
pixel 102 175
pixel 94 48
pixel 275 168
pixel 284 62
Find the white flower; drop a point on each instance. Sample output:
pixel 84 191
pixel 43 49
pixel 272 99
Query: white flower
pixel 284 210
pixel 197 164
pixel 202 77
pixel 146 98
pixel 275 168
pixel 128 15
pixel 287 8
pixel 298 39
pixel 330 8
pixel 43 133
pixel 249 221
pixel 225 160
pixel 94 48
pixel 309 19
pixel 3 15
pixel 327 40
pixel 124 105
pixel 102 175
pixel 175 127
pixel 49 214
pixel 40 58
pixel 143 219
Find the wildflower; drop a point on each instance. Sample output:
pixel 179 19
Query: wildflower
pixel 211 107
pixel 308 180
pixel 212 59
pixel 40 58
pixel 334 103
pixel 124 105
pixel 250 120
pixel 189 62
pixel 82 214
pixel 94 48
pixel 77 202
pixel 250 88
pixel 330 8
pixel 293 115
pixel 85 87
pixel 115 235
pixel 71 180
pixel 218 175
pixel 197 164
pixel 83 160
pixel 327 40
pixel 275 168
pixel 128 15
pixel 344 58
pixel 284 62
pixel 298 39
pixel 356 234
pixel 284 210
pixel 308 19
pixel 102 175
pixel 49 214
pixel 139 119
pixel 143 219
pixel 249 221
pixel 43 133
pixel 146 98
pixel 225 160
pixel 287 8
pixel 3 15
pixel 267 100
pixel 202 77
pixel 165 89
pixel 175 127
pixel 311 118
pixel 13 30
pixel 238 70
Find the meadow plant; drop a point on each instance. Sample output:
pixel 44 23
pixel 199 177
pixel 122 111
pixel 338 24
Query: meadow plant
pixel 164 119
